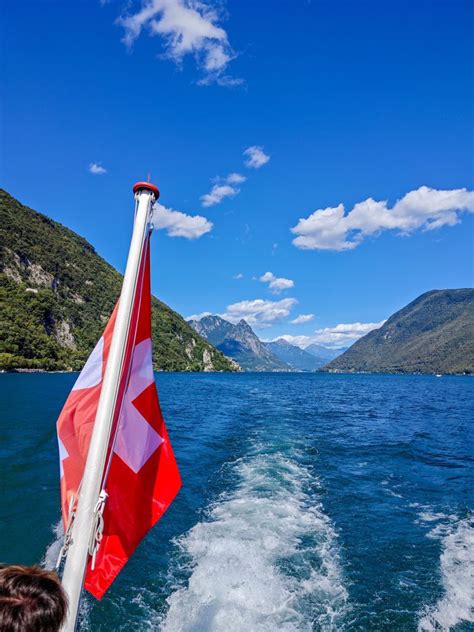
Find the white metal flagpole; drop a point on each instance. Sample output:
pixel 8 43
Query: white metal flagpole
pixel 78 551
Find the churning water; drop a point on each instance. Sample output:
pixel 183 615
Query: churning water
pixel 309 502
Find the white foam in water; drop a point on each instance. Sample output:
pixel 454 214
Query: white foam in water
pixel 457 572
pixel 429 516
pixel 265 560
pixel 52 552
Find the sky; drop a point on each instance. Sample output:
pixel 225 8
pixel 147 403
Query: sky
pixel 315 158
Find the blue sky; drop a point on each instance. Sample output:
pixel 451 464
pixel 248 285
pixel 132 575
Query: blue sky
pixel 359 104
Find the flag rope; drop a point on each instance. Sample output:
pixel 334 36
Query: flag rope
pixel 98 526
pixel 68 533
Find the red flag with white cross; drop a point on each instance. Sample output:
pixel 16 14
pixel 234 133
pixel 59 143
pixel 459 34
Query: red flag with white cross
pixel 141 477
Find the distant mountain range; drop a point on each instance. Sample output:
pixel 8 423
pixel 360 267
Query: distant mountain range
pixel 298 359
pixel 57 293
pixel 240 343
pixel 323 353
pixel 433 334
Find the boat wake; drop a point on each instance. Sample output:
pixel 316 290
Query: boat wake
pixel 50 557
pixel 457 574
pixel 265 558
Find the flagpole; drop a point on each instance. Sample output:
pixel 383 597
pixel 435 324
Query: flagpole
pixel 78 551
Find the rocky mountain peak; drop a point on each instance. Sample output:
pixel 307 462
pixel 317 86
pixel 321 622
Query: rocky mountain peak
pixel 238 342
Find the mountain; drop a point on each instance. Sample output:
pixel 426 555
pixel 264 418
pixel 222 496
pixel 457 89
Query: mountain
pixel 57 293
pixel 213 328
pixel 238 342
pixel 433 334
pixel 323 353
pixel 294 356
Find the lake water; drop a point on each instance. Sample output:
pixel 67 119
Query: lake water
pixel 309 502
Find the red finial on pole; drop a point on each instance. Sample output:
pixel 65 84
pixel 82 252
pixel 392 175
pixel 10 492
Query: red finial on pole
pixel 148 186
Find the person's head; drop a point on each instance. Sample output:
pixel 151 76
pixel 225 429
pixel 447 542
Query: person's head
pixel 31 600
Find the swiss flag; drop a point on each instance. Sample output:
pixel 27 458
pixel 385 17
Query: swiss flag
pixel 141 477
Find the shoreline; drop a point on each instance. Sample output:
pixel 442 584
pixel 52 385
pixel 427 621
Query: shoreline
pixel 320 372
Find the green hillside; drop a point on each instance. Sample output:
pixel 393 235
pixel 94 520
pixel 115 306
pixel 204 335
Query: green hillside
pixel 57 293
pixel 433 334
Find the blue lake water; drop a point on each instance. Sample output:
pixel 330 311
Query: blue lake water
pixel 309 502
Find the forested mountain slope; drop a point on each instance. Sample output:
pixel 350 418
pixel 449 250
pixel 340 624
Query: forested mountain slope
pixel 57 293
pixel 433 334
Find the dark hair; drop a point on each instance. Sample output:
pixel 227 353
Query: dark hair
pixel 31 600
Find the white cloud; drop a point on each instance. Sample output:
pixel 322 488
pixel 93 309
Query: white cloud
pixel 238 276
pixel 198 316
pixel 342 335
pixel 186 27
pixel 424 208
pixel 179 224
pixel 224 188
pixel 235 178
pixel 256 157
pixel 97 169
pixel 275 284
pixel 217 194
pixel 259 313
pixel 302 318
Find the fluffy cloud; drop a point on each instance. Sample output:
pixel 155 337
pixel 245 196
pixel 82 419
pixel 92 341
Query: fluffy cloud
pixel 424 208
pixel 179 224
pixel 302 318
pixel 97 169
pixel 224 188
pixel 235 178
pixel 238 276
pixel 259 313
pixel 275 284
pixel 256 157
pixel 217 194
pixel 186 27
pixel 342 335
